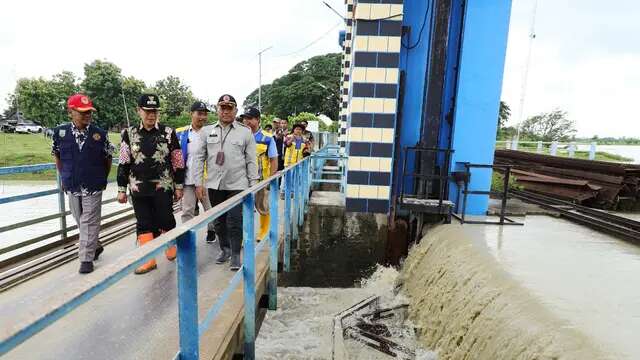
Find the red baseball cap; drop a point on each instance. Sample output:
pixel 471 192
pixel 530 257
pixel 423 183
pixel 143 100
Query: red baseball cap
pixel 80 102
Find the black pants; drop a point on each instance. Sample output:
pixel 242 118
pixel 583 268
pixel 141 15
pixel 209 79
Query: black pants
pixel 229 225
pixel 154 213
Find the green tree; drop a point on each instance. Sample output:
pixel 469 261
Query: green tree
pixel 184 119
pixel 311 86
pixel 132 88
pixel 503 115
pixel 305 116
pixel 103 83
pixel 11 106
pixel 43 100
pixel 550 126
pixel 175 96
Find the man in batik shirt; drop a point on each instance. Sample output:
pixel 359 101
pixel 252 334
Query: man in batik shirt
pixel 151 164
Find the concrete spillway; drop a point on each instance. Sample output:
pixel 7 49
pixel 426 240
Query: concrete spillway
pixel 529 299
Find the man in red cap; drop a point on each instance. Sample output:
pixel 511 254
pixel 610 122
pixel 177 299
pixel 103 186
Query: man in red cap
pixel 83 154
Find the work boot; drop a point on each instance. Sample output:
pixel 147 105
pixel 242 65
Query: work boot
pixel 235 262
pixel 225 253
pixel 211 237
pixel 171 253
pixel 99 251
pixel 151 264
pixel 86 267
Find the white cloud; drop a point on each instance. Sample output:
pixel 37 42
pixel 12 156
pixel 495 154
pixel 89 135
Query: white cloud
pixel 584 61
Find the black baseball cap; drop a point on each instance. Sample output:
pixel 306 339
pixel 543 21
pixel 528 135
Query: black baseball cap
pixel 149 102
pixel 251 113
pixel 199 106
pixel 227 99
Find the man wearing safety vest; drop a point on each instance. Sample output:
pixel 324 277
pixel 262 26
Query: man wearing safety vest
pixel 295 145
pixel 267 156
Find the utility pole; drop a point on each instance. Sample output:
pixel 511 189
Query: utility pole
pixel 124 102
pixel 525 75
pixel 260 77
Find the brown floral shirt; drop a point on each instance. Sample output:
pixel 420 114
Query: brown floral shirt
pixel 150 161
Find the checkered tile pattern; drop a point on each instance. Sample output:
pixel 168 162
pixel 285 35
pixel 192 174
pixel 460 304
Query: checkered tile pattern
pixel 370 96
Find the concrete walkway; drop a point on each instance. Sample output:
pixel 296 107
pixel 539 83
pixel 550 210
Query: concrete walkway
pixel 137 318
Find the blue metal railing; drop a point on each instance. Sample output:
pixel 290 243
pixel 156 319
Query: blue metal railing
pixel 319 159
pixel 62 212
pixel 297 182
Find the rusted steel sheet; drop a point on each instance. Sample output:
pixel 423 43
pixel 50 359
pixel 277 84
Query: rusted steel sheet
pixel 604 167
pixel 568 193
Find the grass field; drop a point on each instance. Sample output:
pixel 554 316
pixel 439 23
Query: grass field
pixel 29 149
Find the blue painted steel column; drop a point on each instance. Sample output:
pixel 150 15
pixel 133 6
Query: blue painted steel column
pixel 287 221
pixel 296 192
pixel 307 185
pixel 61 208
pixel 249 276
pixel 188 296
pixel 274 237
pixel 300 195
pixel 486 27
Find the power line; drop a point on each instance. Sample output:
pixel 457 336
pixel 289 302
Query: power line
pixel 311 43
pixel 335 11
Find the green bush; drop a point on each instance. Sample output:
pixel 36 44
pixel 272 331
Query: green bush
pixel 497 182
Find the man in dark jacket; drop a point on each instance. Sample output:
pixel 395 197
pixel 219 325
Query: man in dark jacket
pixel 83 153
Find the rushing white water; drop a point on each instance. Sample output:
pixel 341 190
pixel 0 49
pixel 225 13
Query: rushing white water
pixel 543 291
pixel 301 328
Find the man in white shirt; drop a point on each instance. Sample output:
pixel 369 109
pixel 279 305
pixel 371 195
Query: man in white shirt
pixel 190 142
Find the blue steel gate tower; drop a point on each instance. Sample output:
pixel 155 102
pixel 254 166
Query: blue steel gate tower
pixel 421 91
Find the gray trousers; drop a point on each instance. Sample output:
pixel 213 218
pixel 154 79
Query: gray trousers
pixel 86 210
pixel 189 203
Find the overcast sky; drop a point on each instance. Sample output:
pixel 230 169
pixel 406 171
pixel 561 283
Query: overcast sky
pixel 585 56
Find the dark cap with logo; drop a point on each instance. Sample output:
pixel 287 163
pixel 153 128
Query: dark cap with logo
pixel 149 102
pixel 251 113
pixel 227 99
pixel 199 106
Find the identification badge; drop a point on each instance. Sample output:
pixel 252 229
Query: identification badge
pixel 220 158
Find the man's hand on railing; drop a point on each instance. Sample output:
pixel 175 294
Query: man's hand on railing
pixel 122 197
pixel 200 192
